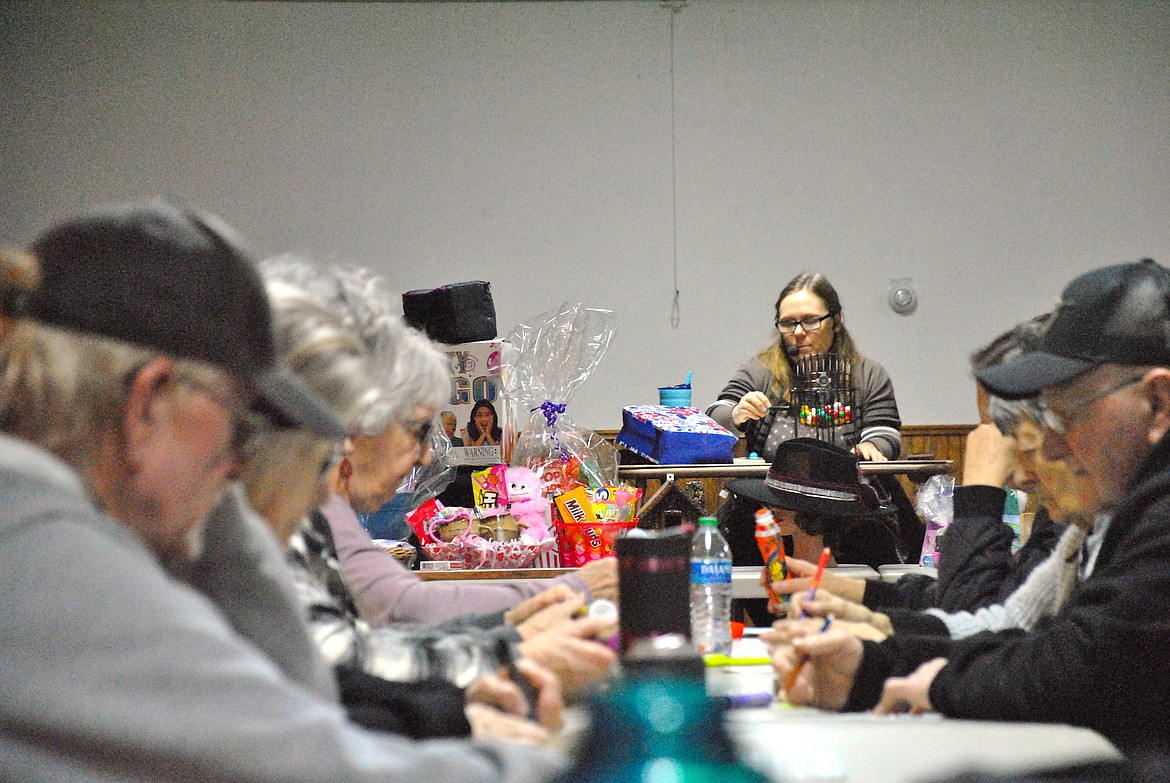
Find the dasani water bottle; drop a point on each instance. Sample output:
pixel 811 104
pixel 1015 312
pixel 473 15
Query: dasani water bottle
pixel 710 589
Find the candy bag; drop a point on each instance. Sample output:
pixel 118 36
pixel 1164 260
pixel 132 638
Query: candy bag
pixel 487 490
pixel 936 506
pixel 584 534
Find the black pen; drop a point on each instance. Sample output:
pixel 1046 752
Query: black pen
pixel 508 660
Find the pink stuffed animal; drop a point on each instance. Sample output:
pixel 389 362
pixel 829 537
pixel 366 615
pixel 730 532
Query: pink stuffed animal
pixel 526 503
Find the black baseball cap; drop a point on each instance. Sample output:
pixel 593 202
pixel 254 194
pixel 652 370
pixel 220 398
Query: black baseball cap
pixel 167 278
pixel 1118 314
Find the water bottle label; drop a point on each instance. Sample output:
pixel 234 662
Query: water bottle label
pixel 710 573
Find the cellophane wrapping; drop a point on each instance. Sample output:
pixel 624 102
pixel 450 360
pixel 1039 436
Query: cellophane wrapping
pixel 544 362
pixel 936 505
pixel 427 481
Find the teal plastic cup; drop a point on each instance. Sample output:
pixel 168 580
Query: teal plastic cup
pixel 674 396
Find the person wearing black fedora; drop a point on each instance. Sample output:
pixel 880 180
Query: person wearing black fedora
pixel 814 478
pixel 819 498
pixel 131 378
pixel 1103 376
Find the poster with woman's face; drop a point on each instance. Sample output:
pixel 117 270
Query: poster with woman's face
pixel 476 418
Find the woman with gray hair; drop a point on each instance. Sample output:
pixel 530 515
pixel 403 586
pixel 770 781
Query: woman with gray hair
pixel 390 428
pixel 405 679
pixel 390 435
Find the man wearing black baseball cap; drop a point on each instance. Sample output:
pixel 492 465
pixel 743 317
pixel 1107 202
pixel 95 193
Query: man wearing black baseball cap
pixel 175 299
pixel 1103 373
pixel 176 282
pixel 1110 332
pixel 131 375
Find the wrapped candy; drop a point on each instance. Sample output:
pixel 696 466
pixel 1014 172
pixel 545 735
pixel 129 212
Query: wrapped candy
pixel 488 490
pixel 936 506
pixel 590 521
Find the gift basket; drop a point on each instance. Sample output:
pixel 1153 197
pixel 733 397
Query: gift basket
pixel 508 527
pixel 544 363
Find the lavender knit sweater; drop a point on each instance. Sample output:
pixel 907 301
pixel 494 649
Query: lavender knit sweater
pixel 384 591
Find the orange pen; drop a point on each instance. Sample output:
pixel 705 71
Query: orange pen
pixel 816 580
pixel 790 680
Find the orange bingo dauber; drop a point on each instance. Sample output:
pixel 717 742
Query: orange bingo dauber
pixel 772 551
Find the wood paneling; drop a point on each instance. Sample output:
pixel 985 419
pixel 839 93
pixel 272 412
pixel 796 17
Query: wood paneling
pixel 937 441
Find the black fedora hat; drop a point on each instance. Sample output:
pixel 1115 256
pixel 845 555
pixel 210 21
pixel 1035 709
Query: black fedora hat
pixel 812 477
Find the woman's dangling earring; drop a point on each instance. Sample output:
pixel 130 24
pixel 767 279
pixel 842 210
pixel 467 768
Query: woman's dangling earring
pixel 344 473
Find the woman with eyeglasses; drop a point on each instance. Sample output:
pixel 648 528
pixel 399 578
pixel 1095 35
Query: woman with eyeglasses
pixel 390 432
pixel 809 321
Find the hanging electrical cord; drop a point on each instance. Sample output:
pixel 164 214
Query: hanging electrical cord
pixel 674 6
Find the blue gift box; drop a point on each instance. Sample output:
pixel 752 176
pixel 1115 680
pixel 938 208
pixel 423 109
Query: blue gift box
pixel 675 436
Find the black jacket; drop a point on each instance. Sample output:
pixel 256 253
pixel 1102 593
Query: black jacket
pixel 976 564
pixel 1102 662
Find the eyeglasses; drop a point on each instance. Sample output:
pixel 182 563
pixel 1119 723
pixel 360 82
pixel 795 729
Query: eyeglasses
pixel 420 431
pixel 1059 422
pixel 810 324
pixel 246 423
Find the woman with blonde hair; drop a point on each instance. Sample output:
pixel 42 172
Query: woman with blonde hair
pixel 809 320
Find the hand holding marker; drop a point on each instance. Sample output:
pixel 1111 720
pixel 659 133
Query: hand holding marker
pixel 816 580
pixel 790 680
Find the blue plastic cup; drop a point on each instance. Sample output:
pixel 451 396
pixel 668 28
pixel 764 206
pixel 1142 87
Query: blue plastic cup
pixel 674 396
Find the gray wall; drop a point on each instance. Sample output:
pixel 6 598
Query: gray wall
pixel 987 151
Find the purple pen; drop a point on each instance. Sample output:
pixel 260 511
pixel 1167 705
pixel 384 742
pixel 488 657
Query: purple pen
pixel 743 701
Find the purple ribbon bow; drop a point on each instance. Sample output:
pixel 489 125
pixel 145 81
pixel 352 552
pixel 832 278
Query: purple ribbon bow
pixel 551 410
